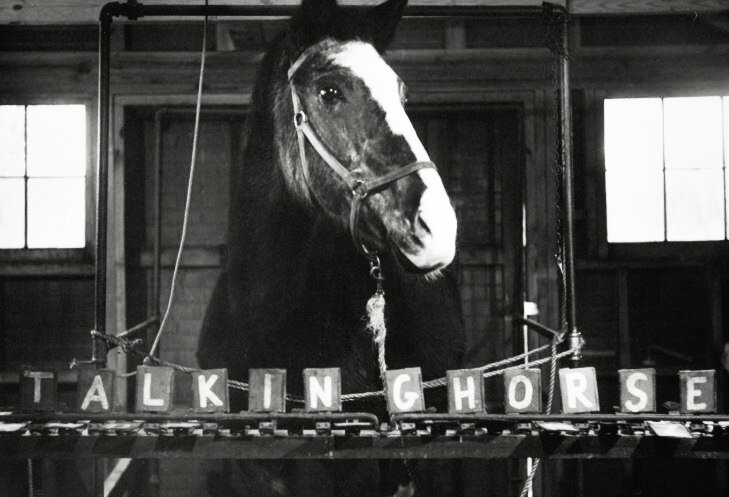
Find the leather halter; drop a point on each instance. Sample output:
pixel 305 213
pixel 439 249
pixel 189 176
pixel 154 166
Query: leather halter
pixel 359 185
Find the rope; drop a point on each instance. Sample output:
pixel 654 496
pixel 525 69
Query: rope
pixel 130 346
pixel 138 327
pixel 186 214
pixel 376 324
pixel 550 400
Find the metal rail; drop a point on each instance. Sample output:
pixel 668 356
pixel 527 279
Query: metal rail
pixel 357 436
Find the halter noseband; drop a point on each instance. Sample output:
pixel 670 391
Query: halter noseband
pixel 359 185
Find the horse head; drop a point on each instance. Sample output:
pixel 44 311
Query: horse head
pixel 349 148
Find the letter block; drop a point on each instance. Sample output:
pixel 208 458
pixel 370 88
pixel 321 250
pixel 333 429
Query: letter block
pixel 405 390
pixel 95 389
pixel 698 391
pixel 578 387
pixel 637 390
pixel 322 389
pixel 155 385
pixel 38 389
pixel 523 391
pixel 210 390
pixel 267 390
pixel 465 391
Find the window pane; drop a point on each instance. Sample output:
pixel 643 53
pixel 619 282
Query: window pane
pixel 693 132
pixel 56 213
pixel 633 134
pixel 634 206
pixel 56 140
pixel 694 205
pixel 12 213
pixel 12 140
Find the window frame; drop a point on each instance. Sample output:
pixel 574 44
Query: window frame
pixel 14 260
pixel 666 249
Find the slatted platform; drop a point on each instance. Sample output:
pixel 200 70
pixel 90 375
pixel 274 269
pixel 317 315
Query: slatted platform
pixel 360 436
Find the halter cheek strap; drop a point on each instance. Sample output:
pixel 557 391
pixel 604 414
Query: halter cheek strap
pixel 359 185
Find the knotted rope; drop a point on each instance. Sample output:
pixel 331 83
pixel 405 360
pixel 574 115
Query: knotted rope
pixel 376 318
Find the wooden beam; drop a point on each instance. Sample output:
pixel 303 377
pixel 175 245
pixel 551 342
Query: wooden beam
pixel 628 7
pixel 87 11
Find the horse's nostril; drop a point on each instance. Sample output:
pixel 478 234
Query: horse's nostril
pixel 420 224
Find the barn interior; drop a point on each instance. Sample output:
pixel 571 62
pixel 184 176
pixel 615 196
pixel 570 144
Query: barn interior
pixel 651 245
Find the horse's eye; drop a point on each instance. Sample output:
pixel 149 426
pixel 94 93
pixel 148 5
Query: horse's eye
pixel 330 94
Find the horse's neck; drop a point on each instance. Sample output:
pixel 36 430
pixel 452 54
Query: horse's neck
pixel 286 254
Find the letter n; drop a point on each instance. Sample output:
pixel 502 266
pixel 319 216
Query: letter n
pixel 322 390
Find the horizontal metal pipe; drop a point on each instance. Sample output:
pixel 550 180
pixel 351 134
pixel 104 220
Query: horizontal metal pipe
pixel 134 10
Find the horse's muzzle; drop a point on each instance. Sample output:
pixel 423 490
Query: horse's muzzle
pixel 434 226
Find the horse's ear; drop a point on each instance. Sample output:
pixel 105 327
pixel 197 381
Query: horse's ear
pixel 312 22
pixel 384 19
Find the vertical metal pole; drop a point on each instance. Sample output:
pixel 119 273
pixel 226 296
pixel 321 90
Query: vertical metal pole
pixel 98 347
pixel 157 237
pixel 565 110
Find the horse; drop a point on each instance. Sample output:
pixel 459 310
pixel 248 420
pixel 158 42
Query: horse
pixel 334 186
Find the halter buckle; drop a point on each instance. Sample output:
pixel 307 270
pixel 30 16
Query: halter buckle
pixel 360 189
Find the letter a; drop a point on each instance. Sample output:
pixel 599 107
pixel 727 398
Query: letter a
pixel 96 393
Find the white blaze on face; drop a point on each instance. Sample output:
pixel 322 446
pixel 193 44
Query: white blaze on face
pixel 435 211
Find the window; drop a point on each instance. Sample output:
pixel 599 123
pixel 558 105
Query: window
pixel 43 156
pixel 666 168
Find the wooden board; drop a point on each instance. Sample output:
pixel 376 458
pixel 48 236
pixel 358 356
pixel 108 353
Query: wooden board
pixel 465 391
pixel 322 389
pixel 267 390
pixel 95 389
pixel 698 391
pixel 155 386
pixel 210 390
pixel 38 389
pixel 522 391
pixel 637 390
pixel 405 390
pixel 578 387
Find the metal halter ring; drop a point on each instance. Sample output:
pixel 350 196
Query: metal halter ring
pixel 360 189
pixel 300 118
